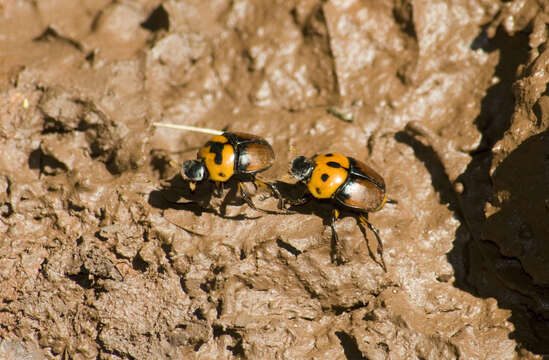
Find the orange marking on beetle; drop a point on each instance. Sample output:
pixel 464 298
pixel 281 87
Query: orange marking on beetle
pixel 323 187
pixel 223 168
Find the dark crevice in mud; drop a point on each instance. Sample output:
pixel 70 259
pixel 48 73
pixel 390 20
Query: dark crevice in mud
pixel 218 269
pixel 403 12
pixel 350 347
pixel 219 308
pixel 75 207
pixel 158 20
pixel 51 35
pixel 95 22
pixel 538 112
pixel 6 210
pixel 82 279
pixel 45 163
pixel 339 309
pixel 168 250
pixel 383 346
pixel 183 285
pixel 315 24
pixel 198 345
pixel 101 216
pixel 162 269
pixel 199 314
pixel 90 58
pixel 54 126
pixel 8 186
pixel 237 349
pixel 313 294
pixel 139 264
pixel 208 285
pixel 96 150
pixel 218 331
pixel 98 235
pixel 289 248
pixel 112 165
pixel 295 17
pixel 316 36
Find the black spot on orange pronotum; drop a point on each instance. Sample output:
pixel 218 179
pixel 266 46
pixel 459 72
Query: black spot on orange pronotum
pixel 324 177
pixel 217 149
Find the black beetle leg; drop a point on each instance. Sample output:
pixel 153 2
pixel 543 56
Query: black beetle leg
pixel 224 203
pixel 336 256
pixel 304 200
pixel 249 201
pixel 364 220
pixel 218 190
pixel 246 197
pixel 391 201
pixel 223 208
pixel 273 189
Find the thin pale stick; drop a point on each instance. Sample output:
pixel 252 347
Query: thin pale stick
pixel 188 128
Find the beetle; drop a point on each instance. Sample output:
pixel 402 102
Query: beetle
pixel 349 183
pixel 232 155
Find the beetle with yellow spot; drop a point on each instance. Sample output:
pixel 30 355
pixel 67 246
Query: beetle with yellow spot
pixel 345 180
pixel 228 155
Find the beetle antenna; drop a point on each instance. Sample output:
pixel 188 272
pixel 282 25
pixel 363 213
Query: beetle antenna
pixel 188 128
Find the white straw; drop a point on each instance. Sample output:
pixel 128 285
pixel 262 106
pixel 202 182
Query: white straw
pixel 189 128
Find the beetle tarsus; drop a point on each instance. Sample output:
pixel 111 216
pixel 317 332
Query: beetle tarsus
pixel 364 220
pixel 247 198
pixel 335 253
pixel 299 202
pixel 218 189
pixel 273 190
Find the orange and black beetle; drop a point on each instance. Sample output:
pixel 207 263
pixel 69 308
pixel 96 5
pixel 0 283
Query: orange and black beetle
pixel 349 182
pixel 232 154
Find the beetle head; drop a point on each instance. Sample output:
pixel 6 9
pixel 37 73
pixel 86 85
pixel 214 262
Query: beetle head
pixel 193 170
pixel 302 168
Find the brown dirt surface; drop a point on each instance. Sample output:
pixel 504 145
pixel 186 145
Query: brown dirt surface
pixel 106 254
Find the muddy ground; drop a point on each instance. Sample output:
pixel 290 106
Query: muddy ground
pixel 105 254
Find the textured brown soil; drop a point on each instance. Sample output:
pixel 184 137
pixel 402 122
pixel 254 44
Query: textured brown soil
pixel 105 254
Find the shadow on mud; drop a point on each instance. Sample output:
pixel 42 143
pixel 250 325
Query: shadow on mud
pixel 178 196
pixel 501 249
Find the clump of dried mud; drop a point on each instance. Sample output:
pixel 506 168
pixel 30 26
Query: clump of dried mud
pixel 105 254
